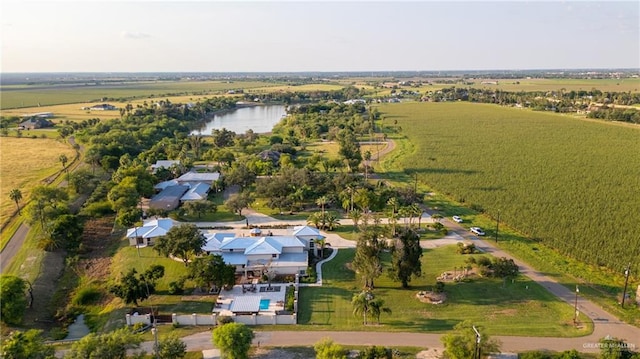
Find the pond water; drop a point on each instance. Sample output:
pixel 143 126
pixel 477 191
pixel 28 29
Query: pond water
pixel 260 119
pixel 78 329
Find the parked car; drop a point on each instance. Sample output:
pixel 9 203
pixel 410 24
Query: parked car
pixel 457 219
pixel 477 230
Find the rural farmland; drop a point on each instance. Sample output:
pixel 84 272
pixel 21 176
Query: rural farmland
pixel 569 183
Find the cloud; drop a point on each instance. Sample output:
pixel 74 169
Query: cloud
pixel 134 35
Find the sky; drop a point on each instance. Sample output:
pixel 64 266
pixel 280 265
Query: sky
pixel 297 36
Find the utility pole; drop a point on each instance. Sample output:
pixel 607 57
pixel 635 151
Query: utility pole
pixel 477 350
pixel 497 225
pixel 626 283
pixel 575 307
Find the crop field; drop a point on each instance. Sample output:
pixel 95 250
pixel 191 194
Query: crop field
pixel 604 85
pixel 24 163
pixel 518 307
pixel 43 95
pixel 572 184
pixel 300 88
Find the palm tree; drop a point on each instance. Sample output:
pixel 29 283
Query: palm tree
pixel 376 307
pixel 356 216
pixel 361 304
pixel 63 159
pixel 314 219
pixel 367 159
pixel 417 212
pixel 16 195
pixel 331 221
pixel 322 201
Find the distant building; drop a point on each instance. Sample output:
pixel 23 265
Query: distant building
pixel 34 123
pixel 164 164
pixel 102 107
pixel 38 115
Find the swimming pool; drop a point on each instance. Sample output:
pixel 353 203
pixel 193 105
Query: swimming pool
pixel 264 304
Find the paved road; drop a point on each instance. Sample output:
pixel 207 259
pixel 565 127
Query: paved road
pixel 12 247
pixel 202 341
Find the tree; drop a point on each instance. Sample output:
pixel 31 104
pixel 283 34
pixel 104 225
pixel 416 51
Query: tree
pixel 376 307
pixel 65 233
pixel 322 201
pixel 13 301
pixel 461 343
pixel 322 243
pixel 199 207
pixel 234 340
pixel 63 160
pixel 82 181
pixel 366 260
pixel 172 347
pixel 504 268
pixel 356 216
pixel 29 344
pixel 16 196
pixel 406 255
pixel 112 345
pixel 132 288
pixel 362 304
pixel 327 349
pixel 367 158
pixel 183 241
pixel 211 270
pixel 239 201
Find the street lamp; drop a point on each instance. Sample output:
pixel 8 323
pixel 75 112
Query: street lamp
pixel 626 283
pixel 575 307
pixel 476 352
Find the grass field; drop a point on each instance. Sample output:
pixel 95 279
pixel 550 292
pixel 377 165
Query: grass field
pixel 24 163
pixel 37 95
pixel 520 307
pixel 552 177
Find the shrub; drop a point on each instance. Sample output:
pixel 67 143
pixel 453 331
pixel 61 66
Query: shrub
pixel 534 355
pixel 439 287
pixel 176 287
pixel 58 333
pixel 224 319
pixel 290 298
pixel 375 352
pixel 97 209
pixel 484 261
pixel 87 295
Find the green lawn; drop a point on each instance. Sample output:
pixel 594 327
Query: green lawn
pixel 520 308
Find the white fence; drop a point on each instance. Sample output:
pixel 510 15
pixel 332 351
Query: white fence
pixel 211 319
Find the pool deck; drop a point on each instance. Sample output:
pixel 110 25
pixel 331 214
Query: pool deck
pixel 276 299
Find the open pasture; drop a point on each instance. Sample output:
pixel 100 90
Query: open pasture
pixel 24 163
pixel 520 307
pixel 20 96
pixel 569 183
